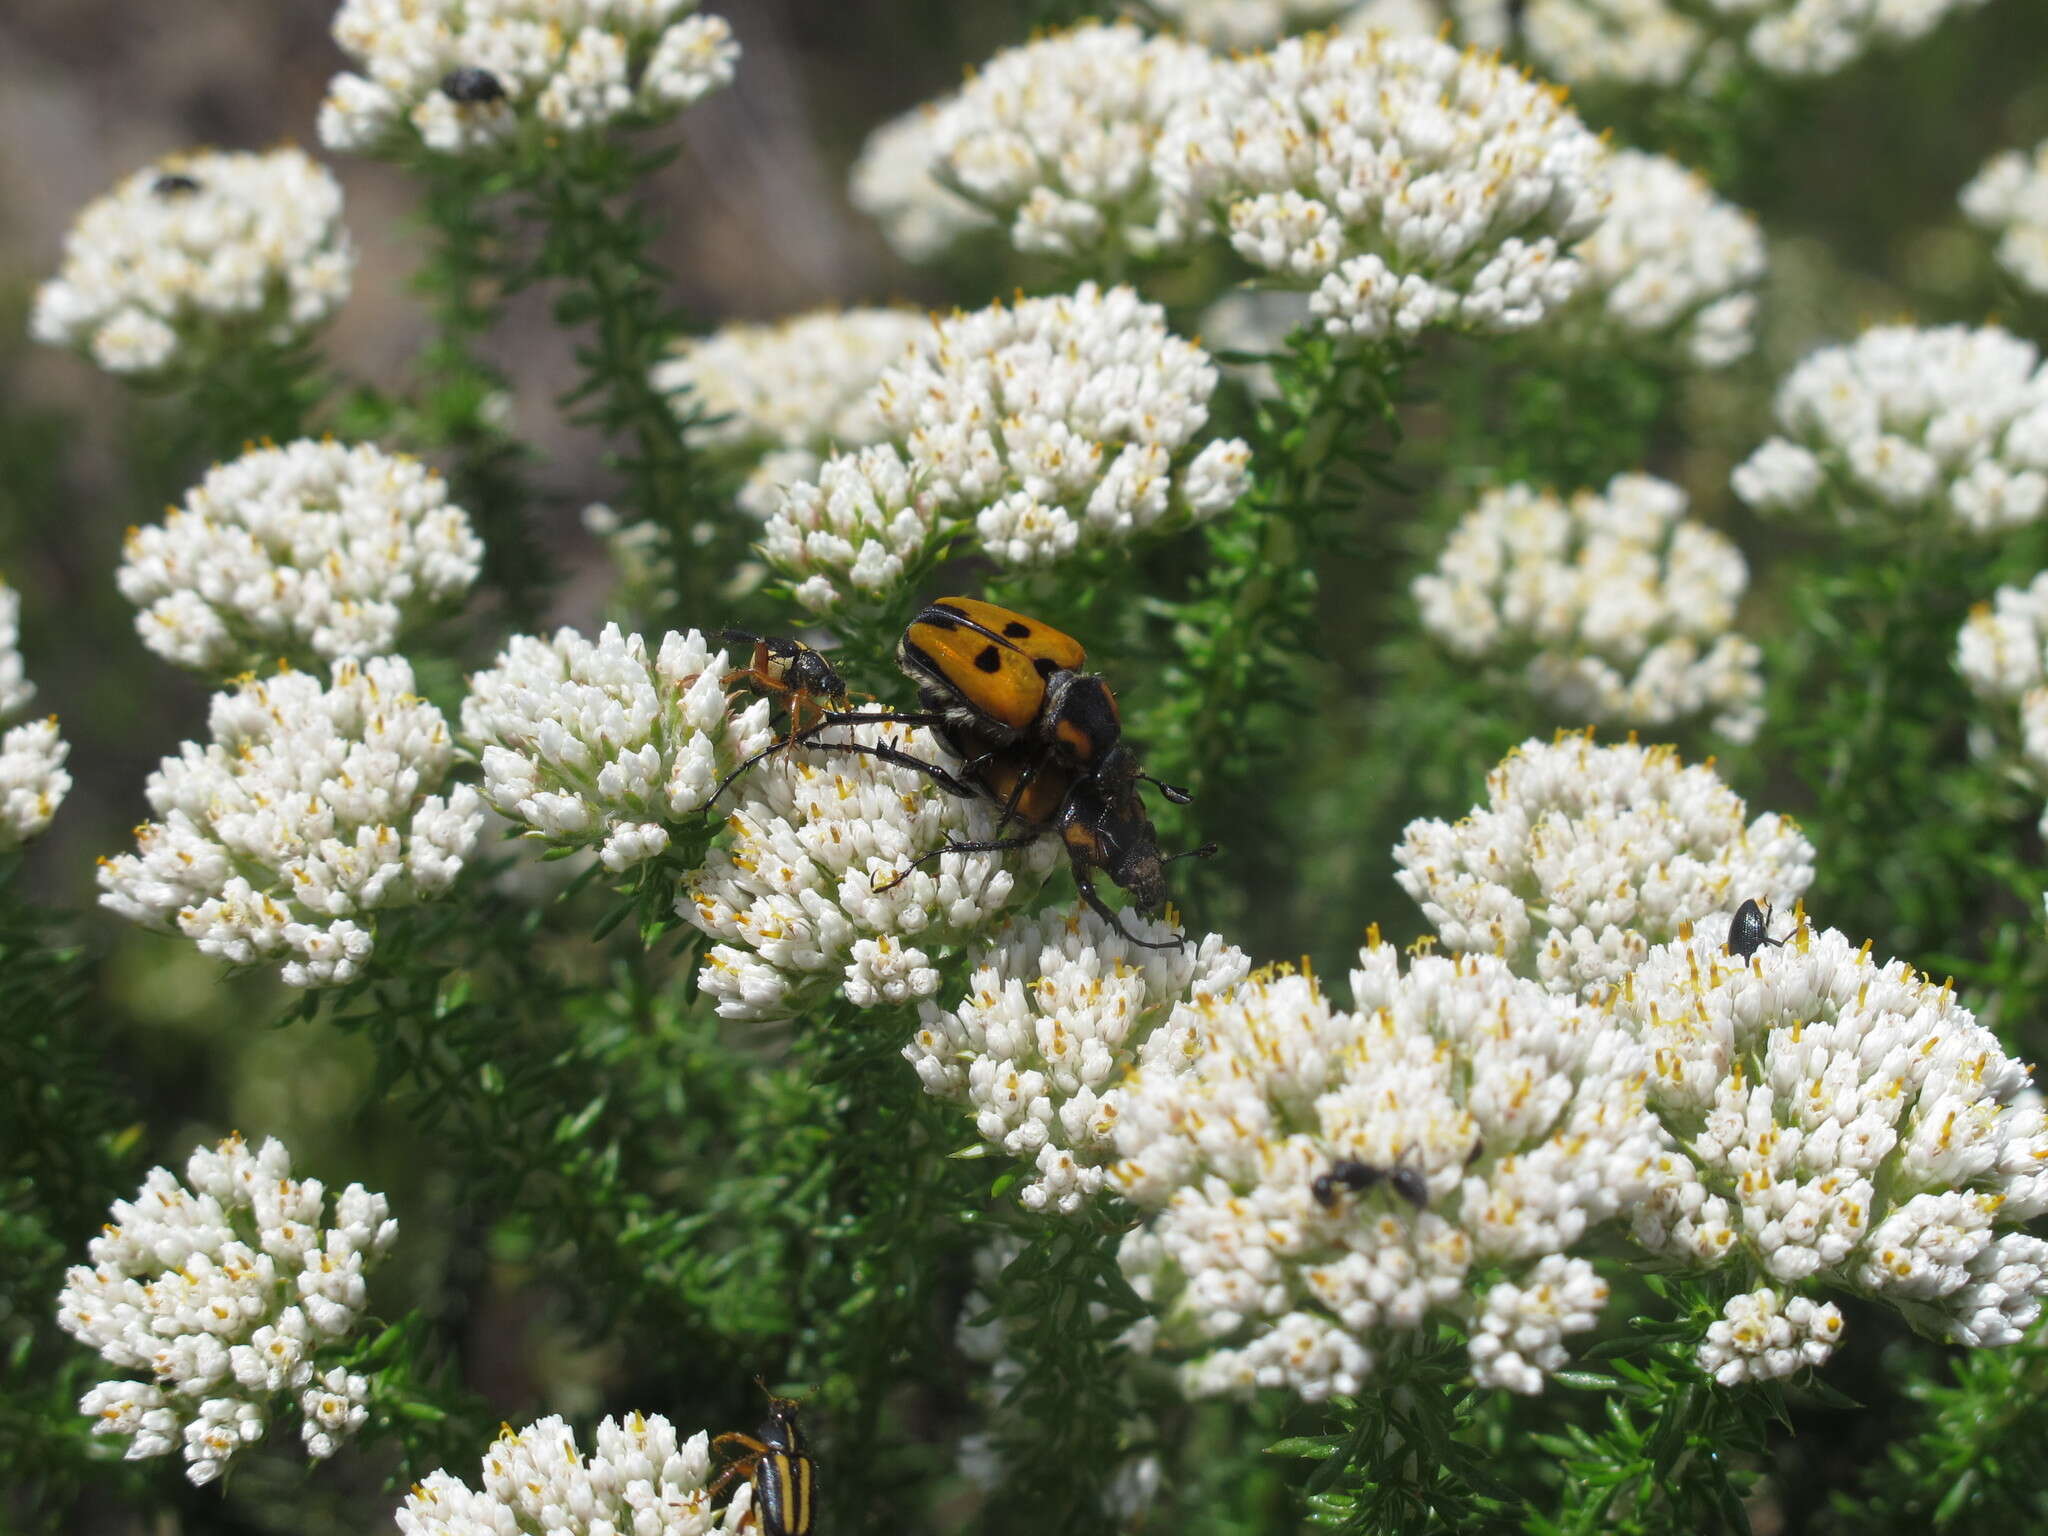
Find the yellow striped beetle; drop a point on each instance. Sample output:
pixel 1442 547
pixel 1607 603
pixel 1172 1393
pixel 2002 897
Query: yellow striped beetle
pixel 783 1475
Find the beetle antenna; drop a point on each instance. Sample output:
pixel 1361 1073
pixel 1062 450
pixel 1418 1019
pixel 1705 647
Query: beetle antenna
pixel 1173 793
pixel 1207 850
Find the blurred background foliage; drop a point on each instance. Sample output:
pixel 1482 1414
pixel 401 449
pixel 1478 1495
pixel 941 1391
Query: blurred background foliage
pixel 1348 725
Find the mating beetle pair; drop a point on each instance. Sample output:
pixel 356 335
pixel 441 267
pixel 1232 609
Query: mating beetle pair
pixel 1037 736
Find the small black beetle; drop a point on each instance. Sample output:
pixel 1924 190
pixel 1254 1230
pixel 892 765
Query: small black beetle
pixel 472 87
pixel 1749 931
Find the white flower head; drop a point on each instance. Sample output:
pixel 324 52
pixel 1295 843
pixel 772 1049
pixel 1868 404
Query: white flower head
pixel 225 1293
pixel 1058 1011
pixel 1905 423
pixel 314 547
pixel 1056 136
pixel 1405 184
pixel 311 809
pixel 892 183
pixel 198 255
pixel 33 781
pixel 597 744
pixel 1763 1336
pixel 1050 422
pixel 1623 606
pixel 1585 856
pixel 1671 261
pixel 1500 1124
pixel 812 894
pixel 1847 1123
pixel 789 393
pixel 1662 44
pixel 470 77
pixel 2010 195
pixel 2002 653
pixel 640 1477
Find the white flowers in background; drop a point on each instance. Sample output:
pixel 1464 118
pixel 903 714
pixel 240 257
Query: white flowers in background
pixel 2010 195
pixel 2002 653
pixel 227 1295
pixel 1056 136
pixel 1057 1012
pixel 1949 423
pixel 1402 183
pixel 640 1477
pixel 597 744
pixel 892 183
pixel 311 809
pixel 1621 603
pixel 1049 422
pixel 33 781
pixel 1667 43
pixel 1229 25
pixel 792 899
pixel 463 76
pixel 1673 260
pixel 1850 1124
pixel 794 391
pixel 314 547
pixel 1585 856
pixel 1521 1113
pixel 196 256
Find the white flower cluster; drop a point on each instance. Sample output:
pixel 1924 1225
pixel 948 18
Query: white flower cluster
pixel 892 183
pixel 1521 1114
pixel 1848 1123
pixel 1673 260
pixel 33 780
pixel 314 547
pixel 224 1292
pixel 794 391
pixel 2002 653
pixel 640 1478
pixel 2010 195
pixel 1762 1336
pixel 1058 1011
pixel 461 77
pixel 1949 421
pixel 793 901
pixel 1404 183
pixel 1051 421
pixel 1623 604
pixel 1668 43
pixel 198 255
pixel 1585 856
pixel 311 809
pixel 1056 137
pixel 597 744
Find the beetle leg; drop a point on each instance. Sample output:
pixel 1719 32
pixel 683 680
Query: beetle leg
pixel 994 845
pixel 1085 883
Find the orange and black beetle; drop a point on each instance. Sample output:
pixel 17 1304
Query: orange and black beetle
pixel 801 676
pixel 1102 824
pixel 784 1476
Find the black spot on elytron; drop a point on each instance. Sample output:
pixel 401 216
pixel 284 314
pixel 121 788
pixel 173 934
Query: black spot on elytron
pixel 945 626
pixel 1017 630
pixel 957 613
pixel 1046 666
pixel 989 659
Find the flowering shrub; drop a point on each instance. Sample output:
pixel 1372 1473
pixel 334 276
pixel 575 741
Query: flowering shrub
pixel 1337 826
